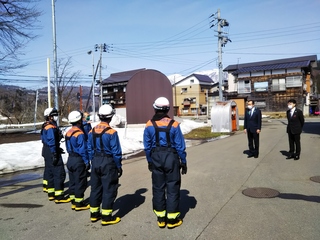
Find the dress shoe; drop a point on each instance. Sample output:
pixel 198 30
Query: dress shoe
pixel 290 157
pixel 256 156
pixel 250 156
pixel 297 157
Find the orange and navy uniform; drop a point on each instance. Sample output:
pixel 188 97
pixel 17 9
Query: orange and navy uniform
pixel 107 144
pixel 55 174
pixel 105 153
pixel 76 143
pixel 50 136
pixel 176 138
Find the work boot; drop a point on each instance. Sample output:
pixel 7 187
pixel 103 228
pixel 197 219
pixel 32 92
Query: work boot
pixel 161 222
pixel 51 196
pixel 172 223
pixel 95 216
pixel 73 205
pixel 79 206
pixel 109 220
pixel 62 199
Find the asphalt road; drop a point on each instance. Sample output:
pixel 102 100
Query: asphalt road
pixel 212 203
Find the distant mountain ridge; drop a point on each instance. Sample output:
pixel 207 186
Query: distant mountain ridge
pixel 213 74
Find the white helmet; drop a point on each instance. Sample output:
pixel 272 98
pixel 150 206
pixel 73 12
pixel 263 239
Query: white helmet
pixel 50 112
pixel 74 116
pixel 162 104
pixel 106 111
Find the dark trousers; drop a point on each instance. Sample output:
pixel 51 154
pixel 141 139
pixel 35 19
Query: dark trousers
pixel 294 144
pixel 253 142
pixel 77 176
pixel 104 182
pixel 166 180
pixel 45 151
pixel 56 174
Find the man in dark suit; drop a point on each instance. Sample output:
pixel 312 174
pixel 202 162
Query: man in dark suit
pixel 294 128
pixel 252 127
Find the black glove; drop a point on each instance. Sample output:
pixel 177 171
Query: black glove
pixel 62 151
pixel 184 168
pixel 150 166
pixel 88 166
pixel 60 135
pixel 55 159
pixel 119 172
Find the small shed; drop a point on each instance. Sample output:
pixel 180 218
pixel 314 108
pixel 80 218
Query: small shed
pixel 143 88
pixel 224 116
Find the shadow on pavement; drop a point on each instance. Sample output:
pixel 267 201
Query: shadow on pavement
pixel 311 127
pixel 186 202
pixel 285 153
pixel 128 202
pixel 295 196
pixel 21 188
pixel 20 205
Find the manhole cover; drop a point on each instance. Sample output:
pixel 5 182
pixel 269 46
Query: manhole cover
pixel 260 192
pixel 315 179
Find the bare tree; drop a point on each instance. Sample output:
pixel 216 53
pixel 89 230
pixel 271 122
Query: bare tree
pixel 17 105
pixel 66 81
pixel 17 21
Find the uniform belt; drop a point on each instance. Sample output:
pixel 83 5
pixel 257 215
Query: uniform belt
pixel 100 154
pixel 73 154
pixel 169 149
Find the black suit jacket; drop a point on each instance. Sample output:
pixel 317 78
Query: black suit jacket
pixel 252 123
pixel 296 122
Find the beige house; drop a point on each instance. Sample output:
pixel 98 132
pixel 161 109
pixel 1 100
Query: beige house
pixel 191 93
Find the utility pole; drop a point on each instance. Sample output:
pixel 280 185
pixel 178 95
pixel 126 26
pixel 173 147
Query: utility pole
pixel 103 48
pixel 92 89
pixel 56 97
pixel 35 110
pixel 222 41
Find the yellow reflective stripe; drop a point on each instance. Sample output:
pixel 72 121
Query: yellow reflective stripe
pixel 106 211
pixel 58 192
pixel 45 182
pixel 94 209
pixel 72 197
pixel 173 215
pixel 160 213
pixel 78 200
pixel 50 190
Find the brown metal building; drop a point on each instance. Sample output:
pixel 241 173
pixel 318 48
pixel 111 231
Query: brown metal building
pixel 136 91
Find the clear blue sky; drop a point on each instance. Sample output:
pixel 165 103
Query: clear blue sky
pixel 172 36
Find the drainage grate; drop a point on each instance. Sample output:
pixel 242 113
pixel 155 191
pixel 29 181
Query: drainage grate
pixel 260 192
pixel 315 179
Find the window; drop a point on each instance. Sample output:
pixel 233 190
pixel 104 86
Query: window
pixel 278 71
pixel 115 89
pixel 124 89
pixel 241 75
pixel 293 70
pixel 278 85
pixel 185 110
pixel 260 103
pixel 194 110
pixel 260 86
pixel 294 81
pixel 244 86
pixel 256 74
pixel 191 81
pixel 184 90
